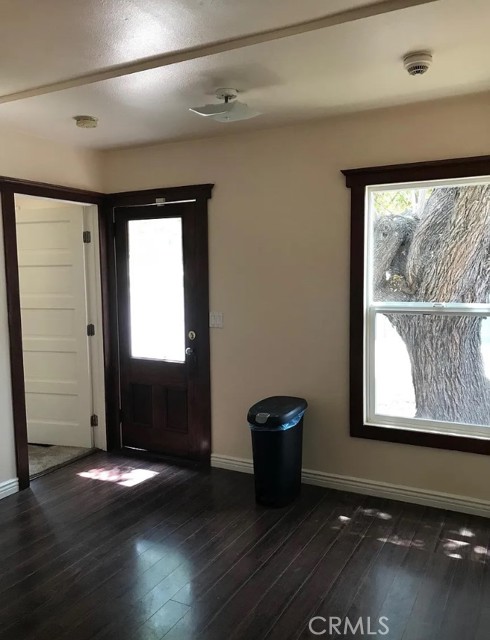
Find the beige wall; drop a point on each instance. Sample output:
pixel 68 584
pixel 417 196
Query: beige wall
pixel 30 158
pixel 279 260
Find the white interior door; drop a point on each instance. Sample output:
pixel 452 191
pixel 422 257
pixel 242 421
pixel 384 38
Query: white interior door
pixel 53 301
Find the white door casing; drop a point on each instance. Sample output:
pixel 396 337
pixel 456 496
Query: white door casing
pixel 53 297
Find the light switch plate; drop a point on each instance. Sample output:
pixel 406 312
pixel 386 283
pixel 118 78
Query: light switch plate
pixel 216 319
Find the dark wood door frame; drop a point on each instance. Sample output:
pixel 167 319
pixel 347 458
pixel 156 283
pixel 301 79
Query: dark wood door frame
pixel 106 203
pixel 9 187
pixel 199 195
pixel 15 336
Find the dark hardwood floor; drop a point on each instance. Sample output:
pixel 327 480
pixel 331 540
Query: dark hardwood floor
pixel 118 548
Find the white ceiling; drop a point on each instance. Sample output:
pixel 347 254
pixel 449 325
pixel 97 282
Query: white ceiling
pixel 348 67
pixel 50 40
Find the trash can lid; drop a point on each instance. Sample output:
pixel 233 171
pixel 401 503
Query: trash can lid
pixel 276 410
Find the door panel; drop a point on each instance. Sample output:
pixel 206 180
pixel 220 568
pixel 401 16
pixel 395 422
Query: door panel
pixel 54 322
pixel 162 282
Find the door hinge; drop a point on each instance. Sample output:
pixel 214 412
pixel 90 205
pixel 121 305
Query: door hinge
pixel 94 420
pixel 87 237
pixel 91 330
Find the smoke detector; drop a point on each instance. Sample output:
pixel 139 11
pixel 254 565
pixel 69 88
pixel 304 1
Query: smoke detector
pixel 229 110
pixel 417 63
pixel 86 122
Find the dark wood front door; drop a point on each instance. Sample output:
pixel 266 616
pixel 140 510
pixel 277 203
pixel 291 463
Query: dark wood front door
pixel 163 313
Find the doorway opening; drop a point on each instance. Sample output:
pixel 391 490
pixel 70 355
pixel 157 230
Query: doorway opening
pixel 163 311
pixel 62 351
pixel 157 322
pixel 179 406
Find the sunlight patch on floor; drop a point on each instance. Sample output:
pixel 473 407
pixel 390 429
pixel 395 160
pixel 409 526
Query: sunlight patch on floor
pixel 403 542
pixel 376 514
pixel 123 476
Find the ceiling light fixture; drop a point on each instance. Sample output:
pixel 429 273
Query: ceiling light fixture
pixel 86 122
pixel 230 110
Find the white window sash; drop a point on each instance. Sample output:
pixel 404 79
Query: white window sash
pixel 479 432
pixel 413 424
pixel 432 308
pixel 421 308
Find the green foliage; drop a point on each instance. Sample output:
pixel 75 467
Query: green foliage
pixel 399 201
pixel 393 202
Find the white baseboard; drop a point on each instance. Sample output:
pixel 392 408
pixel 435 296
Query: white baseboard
pixel 231 463
pixel 435 499
pixel 8 487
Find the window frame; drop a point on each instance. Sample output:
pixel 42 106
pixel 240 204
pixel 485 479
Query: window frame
pixel 362 314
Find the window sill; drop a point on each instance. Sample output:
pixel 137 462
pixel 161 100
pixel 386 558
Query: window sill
pixel 421 439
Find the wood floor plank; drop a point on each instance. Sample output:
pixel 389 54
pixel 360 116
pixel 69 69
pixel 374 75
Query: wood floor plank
pixel 258 582
pixel 338 596
pixel 101 522
pixel 58 519
pixel 464 601
pixel 140 611
pixel 209 596
pixel 271 601
pixel 298 609
pixel 483 616
pixel 51 490
pixel 143 592
pixel 372 590
pixel 188 555
pixel 399 602
pixel 148 541
pixel 116 556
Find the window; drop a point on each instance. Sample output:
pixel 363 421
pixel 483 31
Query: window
pixel 156 279
pixel 420 324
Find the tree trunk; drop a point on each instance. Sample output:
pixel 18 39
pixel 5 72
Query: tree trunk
pixel 447 367
pixel 443 256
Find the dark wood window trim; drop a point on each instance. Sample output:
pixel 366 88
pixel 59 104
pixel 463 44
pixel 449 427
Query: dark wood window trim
pixel 357 180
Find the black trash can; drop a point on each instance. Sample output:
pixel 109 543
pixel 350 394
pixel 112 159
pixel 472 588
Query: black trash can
pixel 277 441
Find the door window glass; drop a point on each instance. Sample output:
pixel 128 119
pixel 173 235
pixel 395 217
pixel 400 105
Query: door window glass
pixel 156 289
